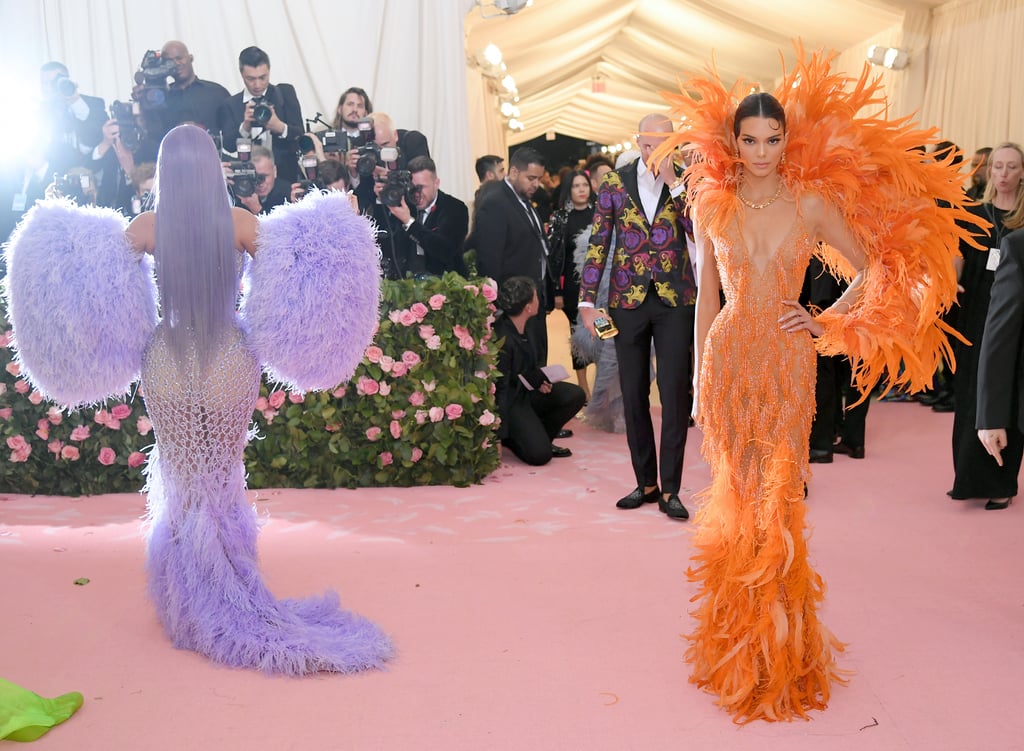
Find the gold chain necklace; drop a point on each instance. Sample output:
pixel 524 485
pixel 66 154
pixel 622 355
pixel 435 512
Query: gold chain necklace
pixel 764 204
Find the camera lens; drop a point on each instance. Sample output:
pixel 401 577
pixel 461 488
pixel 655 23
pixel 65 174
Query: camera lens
pixel 261 114
pixel 65 86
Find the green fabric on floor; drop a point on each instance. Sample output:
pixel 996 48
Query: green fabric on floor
pixel 25 716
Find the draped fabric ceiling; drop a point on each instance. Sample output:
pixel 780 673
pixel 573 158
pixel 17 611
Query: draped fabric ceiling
pixel 555 49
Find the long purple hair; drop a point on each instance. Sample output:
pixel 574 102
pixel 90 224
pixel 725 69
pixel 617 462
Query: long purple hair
pixel 196 259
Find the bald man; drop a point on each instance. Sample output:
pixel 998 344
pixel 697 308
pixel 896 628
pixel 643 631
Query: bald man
pixel 640 226
pixel 190 99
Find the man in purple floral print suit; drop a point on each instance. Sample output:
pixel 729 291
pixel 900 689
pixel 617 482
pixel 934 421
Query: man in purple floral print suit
pixel 640 227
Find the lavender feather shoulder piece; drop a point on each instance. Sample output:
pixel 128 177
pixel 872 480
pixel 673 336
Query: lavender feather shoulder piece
pixel 81 301
pixel 313 292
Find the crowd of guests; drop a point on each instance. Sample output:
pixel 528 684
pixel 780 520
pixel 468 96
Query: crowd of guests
pixel 574 240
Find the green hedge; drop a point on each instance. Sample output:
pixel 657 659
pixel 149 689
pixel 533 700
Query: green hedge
pixel 419 411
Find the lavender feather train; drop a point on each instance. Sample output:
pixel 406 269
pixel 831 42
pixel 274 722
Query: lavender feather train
pixel 81 302
pixel 309 314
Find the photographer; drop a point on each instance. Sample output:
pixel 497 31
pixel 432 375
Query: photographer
pixel 353 105
pixel 269 114
pixel 407 144
pixel 261 192
pixel 323 175
pixel 189 99
pixel 72 122
pixel 440 223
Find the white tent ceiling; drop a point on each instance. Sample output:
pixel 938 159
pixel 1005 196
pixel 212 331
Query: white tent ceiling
pixel 555 48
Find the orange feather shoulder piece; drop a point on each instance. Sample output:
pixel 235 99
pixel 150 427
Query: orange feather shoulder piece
pixel 905 210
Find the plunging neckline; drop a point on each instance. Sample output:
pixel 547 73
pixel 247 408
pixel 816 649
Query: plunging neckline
pixel 773 255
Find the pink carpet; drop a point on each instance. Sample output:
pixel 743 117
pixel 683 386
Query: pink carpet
pixel 529 613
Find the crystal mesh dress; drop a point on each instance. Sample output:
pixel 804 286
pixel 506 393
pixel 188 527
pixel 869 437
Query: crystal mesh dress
pixel 758 644
pixel 308 315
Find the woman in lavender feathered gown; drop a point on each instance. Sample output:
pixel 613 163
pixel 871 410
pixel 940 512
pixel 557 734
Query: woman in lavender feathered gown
pixel 308 315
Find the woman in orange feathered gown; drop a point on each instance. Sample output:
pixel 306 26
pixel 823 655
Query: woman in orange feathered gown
pixel 772 179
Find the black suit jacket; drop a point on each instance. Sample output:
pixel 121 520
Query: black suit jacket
pixel 442 235
pixel 1001 362
pixel 66 133
pixel 507 242
pixel 286 104
pixel 517 356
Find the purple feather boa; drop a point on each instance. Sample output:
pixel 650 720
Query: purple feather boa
pixel 308 254
pixel 81 301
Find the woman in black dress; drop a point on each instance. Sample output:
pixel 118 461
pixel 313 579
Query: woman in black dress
pixel 975 474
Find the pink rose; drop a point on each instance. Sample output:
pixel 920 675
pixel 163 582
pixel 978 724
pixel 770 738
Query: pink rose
pixel 21 455
pixel 54 447
pixel 386 458
pixel 489 291
pixel 102 417
pixel 426 332
pixel 113 424
pixel 416 398
pixel 3 387
pixel 13 368
pixel 35 397
pixel 437 301
pixel 6 412
pixel 44 435
pixel 55 415
pixel 410 358
pixel 81 433
pixel 486 444
pixel 466 342
pixel 483 350
pixel 5 338
pixel 436 414
pixel 399 369
pixel 121 411
pixel 429 385
pixel 472 288
pixel 262 403
pixel 17 443
pixel 487 418
pixel 474 398
pixel 107 456
pixel 367 386
pixel 374 353
pixel 297 398
pixel 385 388
pixel 70 453
pixel 421 416
pixel 397 414
pixel 407 318
pixel 453 411
pixel 22 387
pixel 338 392
pixel 269 415
pixel 332 427
pixel 143 425
pixel 276 399
pixel 419 310
pixel 373 433
pixel 460 331
pixel 434 342
pixel 394 315
pixel 417 454
pixel 386 363
pixel 376 328
pixel 136 459
pixel 396 429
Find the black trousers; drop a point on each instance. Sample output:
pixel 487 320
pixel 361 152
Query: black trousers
pixel 671 332
pixel 833 393
pixel 537 333
pixel 532 426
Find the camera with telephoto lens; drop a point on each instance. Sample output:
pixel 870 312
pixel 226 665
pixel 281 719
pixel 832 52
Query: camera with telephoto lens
pixel 311 183
pixel 127 128
pixel 152 75
pixel 243 172
pixel 75 187
pixel 261 112
pixel 64 86
pixel 398 186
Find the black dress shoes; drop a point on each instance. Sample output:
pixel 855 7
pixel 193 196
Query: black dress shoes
pixel 560 452
pixel 854 452
pixel 564 433
pixel 821 456
pixel 673 507
pixel 638 498
pixel 997 504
